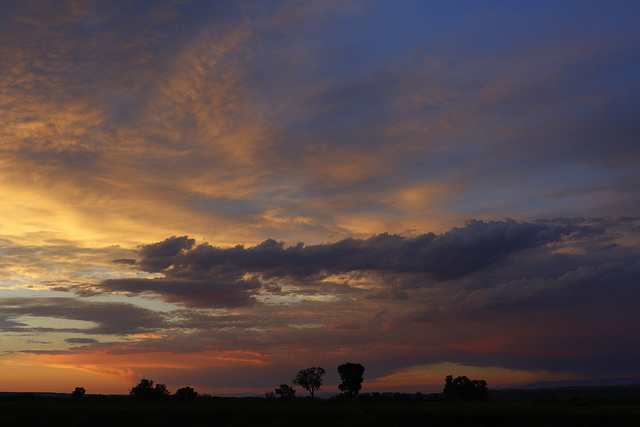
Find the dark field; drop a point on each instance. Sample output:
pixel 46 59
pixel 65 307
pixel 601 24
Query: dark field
pixel 259 412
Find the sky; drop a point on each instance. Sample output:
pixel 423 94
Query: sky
pixel 222 193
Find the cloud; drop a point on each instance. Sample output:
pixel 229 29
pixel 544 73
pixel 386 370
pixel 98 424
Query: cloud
pixel 81 340
pixel 490 289
pixel 46 260
pixel 257 122
pixel 154 256
pixel 201 275
pixel 110 317
pixel 481 270
pixel 194 293
pixel 5 322
pixel 124 261
pixel 452 254
pixel 608 282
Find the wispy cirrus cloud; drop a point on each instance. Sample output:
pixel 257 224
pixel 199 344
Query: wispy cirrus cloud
pixel 255 130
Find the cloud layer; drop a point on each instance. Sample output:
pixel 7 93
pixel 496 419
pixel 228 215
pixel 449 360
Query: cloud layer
pixel 244 122
pixel 554 296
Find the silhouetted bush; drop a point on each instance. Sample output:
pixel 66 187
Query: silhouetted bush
pixel 186 394
pixel 462 388
pixel 286 392
pixel 145 391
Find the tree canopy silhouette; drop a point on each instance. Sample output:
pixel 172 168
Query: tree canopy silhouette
pixel 462 388
pixel 78 392
pixel 310 379
pixel 351 376
pixel 145 391
pixel 286 392
pixel 186 393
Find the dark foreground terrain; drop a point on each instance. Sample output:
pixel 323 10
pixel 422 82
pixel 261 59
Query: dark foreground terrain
pixel 259 412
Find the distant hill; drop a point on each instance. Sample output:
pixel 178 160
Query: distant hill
pixel 603 382
pixel 612 390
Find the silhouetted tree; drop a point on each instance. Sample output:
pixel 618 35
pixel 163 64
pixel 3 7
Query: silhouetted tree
pixel 462 388
pixel 78 392
pixel 286 392
pixel 351 376
pixel 161 391
pixel 146 391
pixel 310 379
pixel 186 393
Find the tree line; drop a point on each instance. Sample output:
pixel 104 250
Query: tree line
pixel 310 379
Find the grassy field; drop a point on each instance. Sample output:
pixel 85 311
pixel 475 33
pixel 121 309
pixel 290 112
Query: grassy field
pixel 320 413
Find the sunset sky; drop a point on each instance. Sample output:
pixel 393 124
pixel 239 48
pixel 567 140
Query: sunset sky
pixel 221 193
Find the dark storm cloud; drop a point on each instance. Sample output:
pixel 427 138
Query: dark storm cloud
pixel 594 264
pixel 612 283
pixel 502 258
pixel 110 317
pixel 452 254
pixel 158 256
pixel 196 293
pixel 6 323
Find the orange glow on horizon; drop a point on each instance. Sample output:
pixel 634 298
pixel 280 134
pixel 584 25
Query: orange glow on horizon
pixel 430 378
pixel 106 368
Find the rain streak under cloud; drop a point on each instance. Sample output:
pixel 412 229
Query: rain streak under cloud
pixel 220 194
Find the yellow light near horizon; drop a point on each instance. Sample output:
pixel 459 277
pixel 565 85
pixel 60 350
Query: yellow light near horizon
pixel 19 377
pixel 431 377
